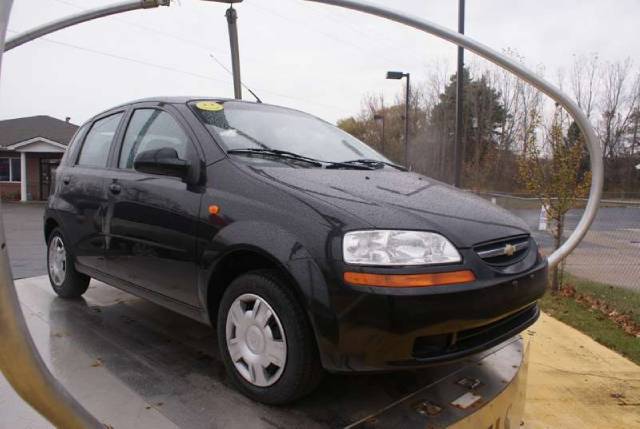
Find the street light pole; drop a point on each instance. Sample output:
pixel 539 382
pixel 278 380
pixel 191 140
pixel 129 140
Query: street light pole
pixel 458 149
pixel 397 76
pixel 406 122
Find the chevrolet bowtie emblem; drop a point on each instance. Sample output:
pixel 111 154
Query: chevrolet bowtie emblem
pixel 509 250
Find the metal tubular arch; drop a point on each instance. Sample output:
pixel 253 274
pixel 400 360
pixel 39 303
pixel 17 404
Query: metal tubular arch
pixel 595 152
pixel 19 359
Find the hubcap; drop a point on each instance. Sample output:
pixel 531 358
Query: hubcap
pixel 255 340
pixel 57 261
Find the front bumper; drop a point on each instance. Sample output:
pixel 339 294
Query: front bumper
pixel 374 330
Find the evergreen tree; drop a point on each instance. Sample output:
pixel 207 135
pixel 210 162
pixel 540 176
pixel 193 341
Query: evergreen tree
pixel 482 116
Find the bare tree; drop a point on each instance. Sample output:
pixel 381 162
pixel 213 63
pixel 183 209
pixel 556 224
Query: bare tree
pixel 438 141
pixel 617 104
pixel 583 79
pixel 608 92
pixel 365 126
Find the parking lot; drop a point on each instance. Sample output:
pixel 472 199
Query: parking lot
pixel 23 229
pixel 610 253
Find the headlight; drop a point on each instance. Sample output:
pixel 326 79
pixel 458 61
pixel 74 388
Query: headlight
pixel 386 247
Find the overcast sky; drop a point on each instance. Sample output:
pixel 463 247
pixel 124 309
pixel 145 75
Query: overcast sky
pixel 316 58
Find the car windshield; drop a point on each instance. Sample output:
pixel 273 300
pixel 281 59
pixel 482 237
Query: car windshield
pixel 247 127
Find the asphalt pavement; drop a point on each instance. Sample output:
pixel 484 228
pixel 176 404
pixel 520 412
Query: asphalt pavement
pixel 610 253
pixel 25 238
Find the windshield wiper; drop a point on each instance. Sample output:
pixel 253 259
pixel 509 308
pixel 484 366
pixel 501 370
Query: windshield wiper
pixel 371 163
pixel 283 154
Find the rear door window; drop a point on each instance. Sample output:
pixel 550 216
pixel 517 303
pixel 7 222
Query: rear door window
pixel 95 150
pixel 152 129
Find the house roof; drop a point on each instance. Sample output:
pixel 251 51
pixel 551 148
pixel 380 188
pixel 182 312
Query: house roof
pixel 18 130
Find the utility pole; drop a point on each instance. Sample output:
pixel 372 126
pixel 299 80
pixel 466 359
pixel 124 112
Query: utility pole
pixel 232 19
pixel 458 149
pixel 232 23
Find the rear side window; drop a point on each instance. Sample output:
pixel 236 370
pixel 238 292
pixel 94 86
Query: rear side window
pixel 152 129
pixel 95 150
pixel 73 146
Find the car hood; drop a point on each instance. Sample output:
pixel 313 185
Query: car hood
pixel 389 199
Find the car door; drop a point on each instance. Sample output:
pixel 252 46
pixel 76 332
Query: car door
pixel 82 194
pixel 152 219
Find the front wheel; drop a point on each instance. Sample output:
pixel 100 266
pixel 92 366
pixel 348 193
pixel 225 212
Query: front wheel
pixel 65 280
pixel 265 339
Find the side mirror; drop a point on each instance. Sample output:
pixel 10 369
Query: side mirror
pixel 163 161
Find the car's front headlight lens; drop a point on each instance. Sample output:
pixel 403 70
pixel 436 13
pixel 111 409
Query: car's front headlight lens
pixel 388 247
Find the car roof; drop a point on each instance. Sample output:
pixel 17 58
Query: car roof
pixel 176 99
pixel 183 99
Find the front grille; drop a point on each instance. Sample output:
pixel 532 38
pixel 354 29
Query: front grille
pixel 505 251
pixel 438 345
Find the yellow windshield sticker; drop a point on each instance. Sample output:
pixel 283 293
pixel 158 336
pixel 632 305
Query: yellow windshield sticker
pixel 209 106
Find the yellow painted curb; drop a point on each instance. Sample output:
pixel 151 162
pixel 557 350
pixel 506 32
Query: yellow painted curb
pixel 575 382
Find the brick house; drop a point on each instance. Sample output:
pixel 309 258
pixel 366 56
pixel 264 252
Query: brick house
pixel 30 151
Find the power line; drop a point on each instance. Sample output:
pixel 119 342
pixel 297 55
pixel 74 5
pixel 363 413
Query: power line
pixel 361 49
pixel 332 14
pixel 225 68
pixel 186 41
pixel 308 28
pixel 133 60
pixel 175 70
pixel 191 42
pixel 339 18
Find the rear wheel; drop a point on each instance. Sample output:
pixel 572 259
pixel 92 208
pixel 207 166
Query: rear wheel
pixel 265 339
pixel 65 280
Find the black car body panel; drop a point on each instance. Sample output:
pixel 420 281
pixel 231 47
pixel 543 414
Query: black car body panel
pixel 393 200
pixel 157 237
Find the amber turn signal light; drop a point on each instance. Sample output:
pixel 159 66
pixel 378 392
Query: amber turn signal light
pixel 409 280
pixel 214 210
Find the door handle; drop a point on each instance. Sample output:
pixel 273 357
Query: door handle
pixel 115 188
pixel 66 180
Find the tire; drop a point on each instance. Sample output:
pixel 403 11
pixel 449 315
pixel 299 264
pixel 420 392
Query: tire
pixel 284 379
pixel 65 280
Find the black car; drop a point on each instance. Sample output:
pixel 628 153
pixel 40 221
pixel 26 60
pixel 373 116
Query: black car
pixel 305 248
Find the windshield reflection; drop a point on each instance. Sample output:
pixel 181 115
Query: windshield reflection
pixel 241 125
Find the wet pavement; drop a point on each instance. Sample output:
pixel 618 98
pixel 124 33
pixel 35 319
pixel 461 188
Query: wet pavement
pixel 25 238
pixel 135 364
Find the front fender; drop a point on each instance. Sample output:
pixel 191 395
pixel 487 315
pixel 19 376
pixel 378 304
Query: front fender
pixel 273 239
pixel 285 250
pixel 268 240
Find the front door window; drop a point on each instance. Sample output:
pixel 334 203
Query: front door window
pixel 152 129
